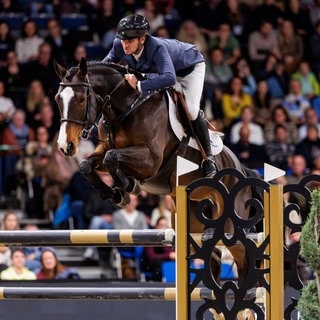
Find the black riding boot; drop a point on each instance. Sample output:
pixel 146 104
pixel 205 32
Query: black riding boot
pixel 200 129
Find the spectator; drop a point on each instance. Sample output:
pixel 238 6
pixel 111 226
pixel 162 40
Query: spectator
pixel 263 103
pixel 65 190
pixel 151 12
pixel 162 32
pixel 79 52
pixel 290 43
pixel 18 270
pixel 31 170
pixel 243 71
pixel 107 17
pixel 238 15
pixel 9 6
pixel 247 119
pixel 279 116
pixel 48 118
pixel 295 102
pixel 189 32
pixel 7 43
pixel 278 81
pixel 314 12
pixel 296 171
pixel 16 135
pixel 309 147
pixel 279 151
pixel 165 209
pixel 270 11
pixel 14 77
pixel 205 15
pixel 299 16
pixel 27 46
pixel 261 44
pixel 227 42
pixel 97 214
pixel 7 108
pixel 52 268
pixel 314 48
pixel 233 101
pixel 34 99
pixel 309 83
pixel 218 75
pixel 42 69
pixel 57 176
pixel 60 43
pixel 129 218
pixel 10 221
pixel 127 7
pixel 32 253
pixel 41 7
pixel 311 117
pixel 153 257
pixel 249 154
pixel 147 202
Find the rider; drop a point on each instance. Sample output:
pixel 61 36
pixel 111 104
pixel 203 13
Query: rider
pixel 164 62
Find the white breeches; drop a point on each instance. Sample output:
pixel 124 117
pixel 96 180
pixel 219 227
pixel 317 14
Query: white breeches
pixel 192 86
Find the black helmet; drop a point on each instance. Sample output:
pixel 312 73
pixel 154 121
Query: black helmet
pixel 133 26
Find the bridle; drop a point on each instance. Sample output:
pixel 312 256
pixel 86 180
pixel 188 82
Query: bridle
pixel 87 125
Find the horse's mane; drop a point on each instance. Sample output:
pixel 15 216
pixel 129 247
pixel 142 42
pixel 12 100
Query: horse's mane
pixel 123 69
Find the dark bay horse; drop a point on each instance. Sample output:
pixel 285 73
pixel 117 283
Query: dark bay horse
pixel 137 143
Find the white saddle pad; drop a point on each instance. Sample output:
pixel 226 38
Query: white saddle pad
pixel 215 137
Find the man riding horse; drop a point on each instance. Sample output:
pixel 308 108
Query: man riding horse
pixel 164 62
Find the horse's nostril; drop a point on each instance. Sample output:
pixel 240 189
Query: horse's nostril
pixel 70 147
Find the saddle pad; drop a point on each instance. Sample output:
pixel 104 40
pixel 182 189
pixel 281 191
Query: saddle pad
pixel 215 137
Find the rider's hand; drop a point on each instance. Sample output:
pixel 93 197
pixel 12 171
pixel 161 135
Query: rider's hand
pixel 132 80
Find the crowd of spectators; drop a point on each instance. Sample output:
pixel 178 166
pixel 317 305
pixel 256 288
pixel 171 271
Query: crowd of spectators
pixel 261 88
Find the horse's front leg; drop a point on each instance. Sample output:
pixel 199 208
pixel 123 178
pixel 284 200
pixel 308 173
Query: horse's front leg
pixel 130 164
pixel 88 169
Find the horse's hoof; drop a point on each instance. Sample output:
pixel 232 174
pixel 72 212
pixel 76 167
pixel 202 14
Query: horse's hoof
pixel 133 186
pixel 120 197
pixel 85 167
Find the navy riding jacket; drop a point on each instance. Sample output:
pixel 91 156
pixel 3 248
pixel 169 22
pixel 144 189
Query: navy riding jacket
pixel 161 61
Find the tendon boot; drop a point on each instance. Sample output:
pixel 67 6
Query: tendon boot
pixel 200 129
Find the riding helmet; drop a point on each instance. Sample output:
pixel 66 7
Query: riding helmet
pixel 133 26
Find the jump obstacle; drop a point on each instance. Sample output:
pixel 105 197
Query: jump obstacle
pixel 145 238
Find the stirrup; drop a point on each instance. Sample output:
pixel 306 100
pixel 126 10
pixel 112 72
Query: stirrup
pixel 209 168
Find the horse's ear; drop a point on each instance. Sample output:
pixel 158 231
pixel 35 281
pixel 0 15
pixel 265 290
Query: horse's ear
pixel 60 70
pixel 83 67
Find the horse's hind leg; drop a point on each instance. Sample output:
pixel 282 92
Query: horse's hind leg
pixel 238 252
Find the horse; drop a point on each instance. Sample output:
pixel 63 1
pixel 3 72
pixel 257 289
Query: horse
pixel 137 143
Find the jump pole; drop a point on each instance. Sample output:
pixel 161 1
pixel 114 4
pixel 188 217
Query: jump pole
pixel 106 238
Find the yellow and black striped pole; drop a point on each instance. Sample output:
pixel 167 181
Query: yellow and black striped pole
pixel 88 238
